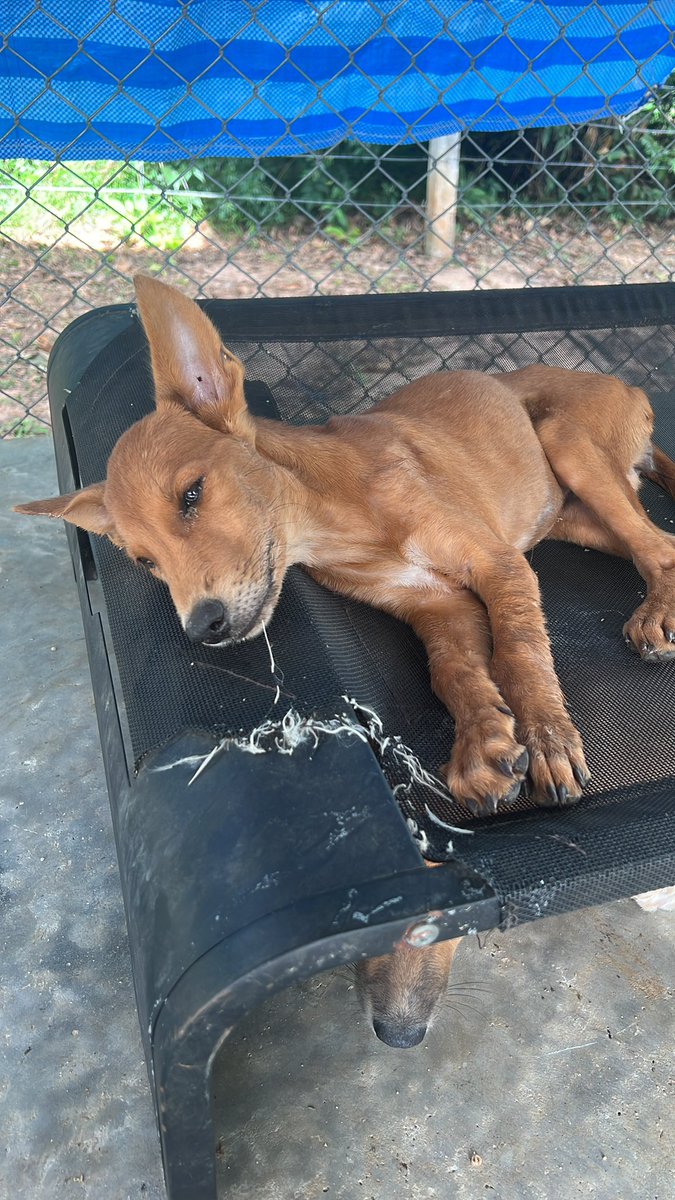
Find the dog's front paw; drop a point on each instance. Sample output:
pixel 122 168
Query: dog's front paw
pixel 558 772
pixel 650 632
pixel 488 764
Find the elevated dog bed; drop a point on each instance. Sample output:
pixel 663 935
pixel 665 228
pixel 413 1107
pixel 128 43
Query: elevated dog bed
pixel 271 866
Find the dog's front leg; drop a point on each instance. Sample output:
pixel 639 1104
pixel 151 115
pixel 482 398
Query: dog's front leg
pixel 523 669
pixel 488 764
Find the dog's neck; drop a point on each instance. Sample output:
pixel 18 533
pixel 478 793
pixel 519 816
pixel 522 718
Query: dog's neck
pixel 320 481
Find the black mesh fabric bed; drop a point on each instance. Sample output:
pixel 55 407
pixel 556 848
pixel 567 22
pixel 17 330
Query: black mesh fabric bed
pixel 273 866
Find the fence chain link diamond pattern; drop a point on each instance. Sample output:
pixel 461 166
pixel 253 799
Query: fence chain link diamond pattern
pixel 588 202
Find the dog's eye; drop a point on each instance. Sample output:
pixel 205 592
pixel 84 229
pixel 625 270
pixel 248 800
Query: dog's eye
pixel 191 496
pixel 147 563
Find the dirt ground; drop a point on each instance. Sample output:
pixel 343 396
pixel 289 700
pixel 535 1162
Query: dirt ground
pixel 48 286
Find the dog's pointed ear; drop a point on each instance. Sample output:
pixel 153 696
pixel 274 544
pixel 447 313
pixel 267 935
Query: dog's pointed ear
pixel 85 509
pixel 190 364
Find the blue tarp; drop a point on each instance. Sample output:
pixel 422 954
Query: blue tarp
pixel 159 80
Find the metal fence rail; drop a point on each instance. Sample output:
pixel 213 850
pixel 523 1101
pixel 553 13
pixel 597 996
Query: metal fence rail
pixel 589 202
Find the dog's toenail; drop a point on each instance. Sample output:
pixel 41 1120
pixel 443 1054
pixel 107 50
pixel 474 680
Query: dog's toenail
pixel 503 708
pixel 562 794
pixel 505 767
pixel 522 762
pixel 474 806
pixel 552 794
pixel 582 777
pixel 512 795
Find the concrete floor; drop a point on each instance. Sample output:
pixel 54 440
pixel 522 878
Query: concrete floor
pixel 558 1084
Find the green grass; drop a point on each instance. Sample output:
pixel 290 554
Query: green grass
pixel 20 427
pixel 99 202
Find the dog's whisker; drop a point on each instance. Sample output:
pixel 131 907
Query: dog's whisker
pixel 344 974
pixel 469 987
pixel 471 982
pixel 477 985
pixel 460 997
pixel 462 1014
pixel 457 1006
pixel 479 997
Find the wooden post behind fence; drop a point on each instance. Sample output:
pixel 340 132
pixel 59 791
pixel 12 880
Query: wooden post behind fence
pixel 442 192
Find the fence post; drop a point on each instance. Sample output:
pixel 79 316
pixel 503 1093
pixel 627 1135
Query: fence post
pixel 442 190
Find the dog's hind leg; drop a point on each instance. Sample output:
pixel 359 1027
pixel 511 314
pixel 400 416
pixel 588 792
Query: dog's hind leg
pixel 577 524
pixel 591 473
pixel 660 469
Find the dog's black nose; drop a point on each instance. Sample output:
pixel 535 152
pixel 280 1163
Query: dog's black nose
pixel 395 1034
pixel 207 622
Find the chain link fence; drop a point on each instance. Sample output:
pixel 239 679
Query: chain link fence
pixel 551 203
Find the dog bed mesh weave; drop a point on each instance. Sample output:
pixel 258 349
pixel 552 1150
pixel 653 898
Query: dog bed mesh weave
pixel 311 358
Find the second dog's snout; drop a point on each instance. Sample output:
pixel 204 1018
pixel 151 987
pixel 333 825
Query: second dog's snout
pixel 208 622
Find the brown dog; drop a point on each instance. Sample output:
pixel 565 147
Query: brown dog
pixel 423 506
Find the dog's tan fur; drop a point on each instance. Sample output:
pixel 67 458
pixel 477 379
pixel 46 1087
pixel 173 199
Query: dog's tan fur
pixel 424 506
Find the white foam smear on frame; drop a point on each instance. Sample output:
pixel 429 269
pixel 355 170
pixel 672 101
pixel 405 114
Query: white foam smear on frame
pixel 405 757
pixel 285 734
